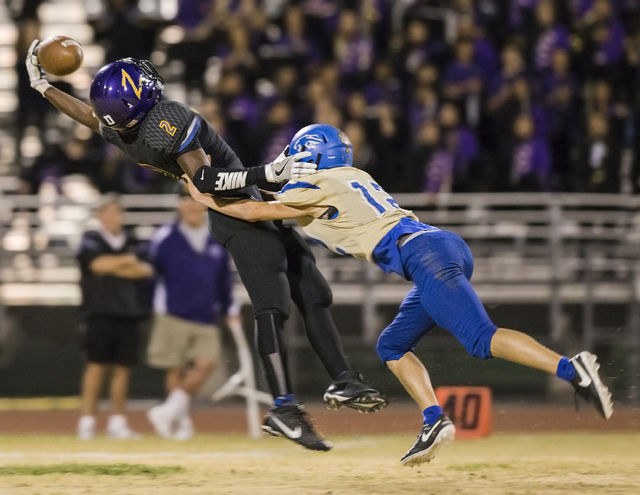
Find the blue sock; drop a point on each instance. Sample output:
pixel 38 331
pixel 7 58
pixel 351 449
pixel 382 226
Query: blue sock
pixel 285 400
pixel 430 414
pixel 566 370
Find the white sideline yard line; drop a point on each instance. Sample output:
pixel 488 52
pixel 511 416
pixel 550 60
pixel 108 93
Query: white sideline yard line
pixel 256 453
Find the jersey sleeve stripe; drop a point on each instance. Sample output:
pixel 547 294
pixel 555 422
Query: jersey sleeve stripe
pixel 298 185
pixel 191 133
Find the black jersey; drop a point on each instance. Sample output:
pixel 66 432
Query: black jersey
pixel 172 129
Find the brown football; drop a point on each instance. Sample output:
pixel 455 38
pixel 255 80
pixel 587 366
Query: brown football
pixel 60 55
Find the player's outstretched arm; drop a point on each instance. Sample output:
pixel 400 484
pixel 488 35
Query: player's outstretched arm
pixel 209 179
pixel 253 211
pixel 74 108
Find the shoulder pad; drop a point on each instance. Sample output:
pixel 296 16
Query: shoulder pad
pixel 164 124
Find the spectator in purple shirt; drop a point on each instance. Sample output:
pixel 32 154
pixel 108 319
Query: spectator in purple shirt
pixel 424 107
pixel 460 140
pixel 462 81
pixel 530 158
pixel 512 68
pixel 385 86
pixel 485 55
pixel 418 48
pixel 352 50
pixel 185 339
pixel 240 111
pixel 520 12
pixel 551 35
pixel 294 44
pixel 602 42
pixel 321 18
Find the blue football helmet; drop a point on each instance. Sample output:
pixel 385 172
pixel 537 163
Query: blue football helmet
pixel 124 91
pixel 329 146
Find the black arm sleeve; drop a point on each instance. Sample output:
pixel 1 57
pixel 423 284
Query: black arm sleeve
pixel 209 180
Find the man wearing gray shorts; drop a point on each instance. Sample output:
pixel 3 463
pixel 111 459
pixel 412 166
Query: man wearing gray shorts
pixel 185 339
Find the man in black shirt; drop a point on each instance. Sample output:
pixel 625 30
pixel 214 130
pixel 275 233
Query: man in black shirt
pixel 272 261
pixel 112 307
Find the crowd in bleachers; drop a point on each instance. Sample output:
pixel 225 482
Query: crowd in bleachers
pixel 436 96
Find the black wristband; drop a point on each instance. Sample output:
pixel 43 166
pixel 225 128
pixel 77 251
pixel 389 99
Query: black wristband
pixel 205 179
pixel 208 180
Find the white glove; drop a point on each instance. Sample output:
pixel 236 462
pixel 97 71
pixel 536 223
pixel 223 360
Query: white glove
pixel 37 75
pixel 287 167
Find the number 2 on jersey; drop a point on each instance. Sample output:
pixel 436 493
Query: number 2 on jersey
pixel 375 196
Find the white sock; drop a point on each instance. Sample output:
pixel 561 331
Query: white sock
pixel 178 403
pixel 117 422
pixel 87 422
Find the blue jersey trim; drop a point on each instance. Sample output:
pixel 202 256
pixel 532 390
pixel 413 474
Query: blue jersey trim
pixel 298 185
pixel 193 131
pixel 386 253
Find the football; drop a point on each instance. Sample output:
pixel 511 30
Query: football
pixel 60 55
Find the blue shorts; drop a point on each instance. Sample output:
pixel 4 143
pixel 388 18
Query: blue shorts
pixel 440 264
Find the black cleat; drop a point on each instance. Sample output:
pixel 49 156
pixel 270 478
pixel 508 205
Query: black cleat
pixel 352 391
pixel 293 423
pixel 431 439
pixel 588 385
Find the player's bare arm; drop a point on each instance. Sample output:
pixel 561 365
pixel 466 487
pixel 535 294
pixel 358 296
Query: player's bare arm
pixel 67 104
pixel 192 161
pixel 253 211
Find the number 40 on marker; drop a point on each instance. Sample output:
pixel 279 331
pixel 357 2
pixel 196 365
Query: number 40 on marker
pixel 469 408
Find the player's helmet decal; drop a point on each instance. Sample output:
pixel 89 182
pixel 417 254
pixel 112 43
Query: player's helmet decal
pixel 329 146
pixel 124 91
pixel 310 142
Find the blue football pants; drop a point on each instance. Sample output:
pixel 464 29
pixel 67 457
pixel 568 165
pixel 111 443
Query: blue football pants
pixel 440 264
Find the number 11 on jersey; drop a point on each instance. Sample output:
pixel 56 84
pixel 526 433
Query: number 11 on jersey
pixel 379 200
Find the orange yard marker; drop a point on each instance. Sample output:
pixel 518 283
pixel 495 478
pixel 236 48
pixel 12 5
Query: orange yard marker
pixel 469 408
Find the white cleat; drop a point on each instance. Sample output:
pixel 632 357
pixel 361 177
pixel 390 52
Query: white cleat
pixel 588 385
pixel 430 439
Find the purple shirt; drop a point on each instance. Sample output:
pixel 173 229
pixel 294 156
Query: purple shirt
pixel 458 73
pixel 438 171
pixel 356 56
pixel 517 9
pixel 547 42
pixel 195 286
pixel 611 50
pixel 531 157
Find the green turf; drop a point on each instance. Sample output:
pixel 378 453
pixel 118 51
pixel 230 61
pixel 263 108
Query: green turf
pixel 90 469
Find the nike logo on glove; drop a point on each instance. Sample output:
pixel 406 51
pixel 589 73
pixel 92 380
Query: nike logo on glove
pixel 296 433
pixel 278 173
pixel 425 437
pixel 202 176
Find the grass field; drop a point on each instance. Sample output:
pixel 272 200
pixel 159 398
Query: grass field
pixel 502 464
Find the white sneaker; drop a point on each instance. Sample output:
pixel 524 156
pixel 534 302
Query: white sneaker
pixel 185 429
pixel 86 427
pixel 161 421
pixel 117 428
